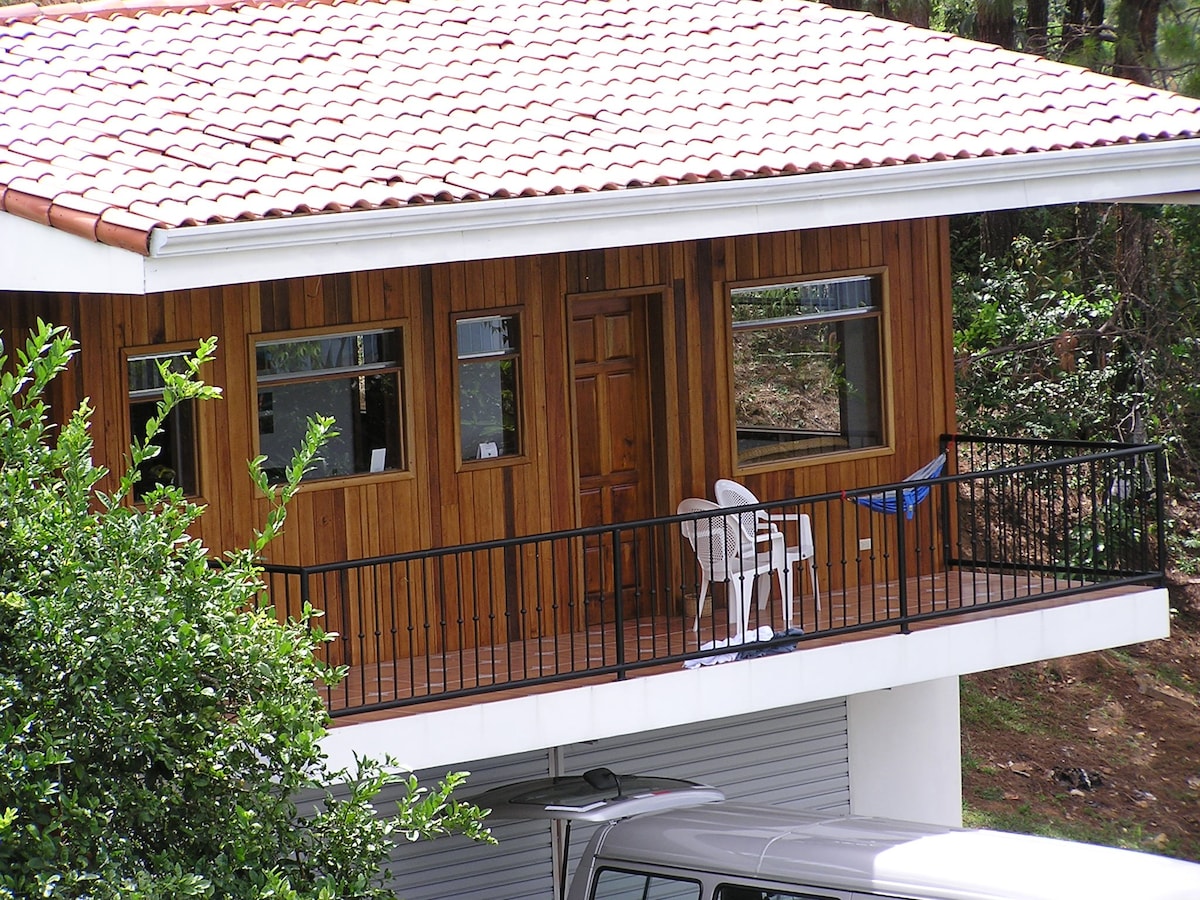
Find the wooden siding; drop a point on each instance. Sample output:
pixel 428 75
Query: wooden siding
pixel 442 501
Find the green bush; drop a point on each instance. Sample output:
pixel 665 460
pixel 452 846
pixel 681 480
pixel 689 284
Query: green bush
pixel 157 727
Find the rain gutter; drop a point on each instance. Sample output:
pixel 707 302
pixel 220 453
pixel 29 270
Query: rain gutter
pixel 266 249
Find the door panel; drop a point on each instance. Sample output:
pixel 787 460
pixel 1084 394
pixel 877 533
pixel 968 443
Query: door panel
pixel 613 457
pixel 624 446
pixel 587 419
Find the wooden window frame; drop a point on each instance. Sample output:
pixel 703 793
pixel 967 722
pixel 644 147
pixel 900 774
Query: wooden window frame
pixel 880 294
pixel 162 351
pixel 521 358
pixel 399 368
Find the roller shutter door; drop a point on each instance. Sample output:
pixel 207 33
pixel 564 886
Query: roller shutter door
pixel 453 867
pixel 796 757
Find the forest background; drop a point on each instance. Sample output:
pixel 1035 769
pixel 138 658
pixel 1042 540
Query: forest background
pixel 1082 322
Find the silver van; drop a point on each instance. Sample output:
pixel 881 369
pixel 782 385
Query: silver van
pixel 666 839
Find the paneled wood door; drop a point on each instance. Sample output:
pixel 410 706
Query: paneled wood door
pixel 613 449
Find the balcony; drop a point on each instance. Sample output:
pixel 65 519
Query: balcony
pixel 1008 524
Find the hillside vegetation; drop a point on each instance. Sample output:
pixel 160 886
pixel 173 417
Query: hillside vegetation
pixel 1088 327
pixel 1103 747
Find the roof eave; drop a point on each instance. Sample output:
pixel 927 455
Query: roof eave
pixel 265 249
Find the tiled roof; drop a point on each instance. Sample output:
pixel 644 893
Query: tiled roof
pixel 118 117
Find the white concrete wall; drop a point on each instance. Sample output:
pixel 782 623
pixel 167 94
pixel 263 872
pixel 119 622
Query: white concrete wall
pixel 905 757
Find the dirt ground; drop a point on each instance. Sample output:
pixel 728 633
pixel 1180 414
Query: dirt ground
pixel 1105 745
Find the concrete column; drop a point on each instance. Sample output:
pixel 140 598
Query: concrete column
pixel 905 753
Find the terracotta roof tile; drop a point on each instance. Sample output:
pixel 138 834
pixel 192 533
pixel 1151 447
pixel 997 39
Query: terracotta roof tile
pixel 138 113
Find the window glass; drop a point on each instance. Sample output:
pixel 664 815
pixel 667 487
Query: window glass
pixel 807 368
pixel 176 462
pixel 489 386
pixel 355 378
pixel 612 884
pixel 742 892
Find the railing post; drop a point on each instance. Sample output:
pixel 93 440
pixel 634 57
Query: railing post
pixel 1160 511
pixel 305 601
pixel 901 562
pixel 619 614
pixel 944 516
pixel 305 592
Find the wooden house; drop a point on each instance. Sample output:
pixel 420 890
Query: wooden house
pixel 556 266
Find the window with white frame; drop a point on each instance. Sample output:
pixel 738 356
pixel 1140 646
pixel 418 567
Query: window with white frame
pixel 808 368
pixel 177 461
pixel 355 377
pixel 489 384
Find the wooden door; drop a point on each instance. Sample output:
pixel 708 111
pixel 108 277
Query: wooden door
pixel 613 447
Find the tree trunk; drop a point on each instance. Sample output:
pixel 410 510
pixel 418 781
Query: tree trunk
pixel 994 23
pixel 1137 40
pixel 997 230
pixel 914 12
pixel 1080 19
pixel 1037 26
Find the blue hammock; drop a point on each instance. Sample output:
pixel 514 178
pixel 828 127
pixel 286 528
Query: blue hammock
pixel 907 498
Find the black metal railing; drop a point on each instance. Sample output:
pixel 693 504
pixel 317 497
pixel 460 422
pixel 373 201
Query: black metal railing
pixel 1007 522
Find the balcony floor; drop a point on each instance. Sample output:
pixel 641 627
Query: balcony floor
pixel 562 661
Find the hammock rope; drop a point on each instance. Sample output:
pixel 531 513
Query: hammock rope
pixel 892 501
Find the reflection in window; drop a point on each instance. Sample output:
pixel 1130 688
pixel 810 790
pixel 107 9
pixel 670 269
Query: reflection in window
pixel 355 378
pixel 176 462
pixel 612 884
pixel 488 386
pixel 741 892
pixel 807 368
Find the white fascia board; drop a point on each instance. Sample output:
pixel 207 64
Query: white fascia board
pixel 35 257
pixel 242 252
pixel 495 728
pixel 488 229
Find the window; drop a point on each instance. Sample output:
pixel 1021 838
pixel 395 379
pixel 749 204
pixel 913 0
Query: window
pixel 612 884
pixel 489 386
pixel 355 378
pixel 176 462
pixel 740 892
pixel 807 368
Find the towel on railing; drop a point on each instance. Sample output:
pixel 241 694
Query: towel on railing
pixel 754 636
pixel 775 648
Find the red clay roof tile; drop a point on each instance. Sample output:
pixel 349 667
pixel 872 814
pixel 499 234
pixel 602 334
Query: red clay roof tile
pixel 140 113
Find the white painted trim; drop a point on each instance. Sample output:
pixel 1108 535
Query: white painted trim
pixel 35 257
pixel 496 728
pixel 372 239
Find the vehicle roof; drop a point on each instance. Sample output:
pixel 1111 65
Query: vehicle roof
pixel 598 795
pixel 891 857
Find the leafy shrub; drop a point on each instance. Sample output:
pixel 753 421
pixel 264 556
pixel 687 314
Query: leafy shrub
pixel 157 727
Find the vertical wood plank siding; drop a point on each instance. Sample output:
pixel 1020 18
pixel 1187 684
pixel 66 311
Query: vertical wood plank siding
pixel 441 501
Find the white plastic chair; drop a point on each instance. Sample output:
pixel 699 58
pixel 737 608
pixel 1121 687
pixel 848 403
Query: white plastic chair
pixel 726 555
pixel 732 494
